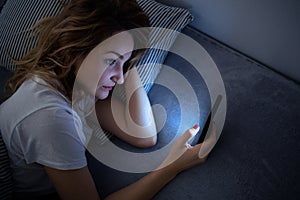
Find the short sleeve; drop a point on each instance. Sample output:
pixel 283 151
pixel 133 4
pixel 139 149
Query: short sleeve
pixel 49 137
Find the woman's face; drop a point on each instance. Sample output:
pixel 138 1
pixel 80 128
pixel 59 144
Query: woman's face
pixel 102 68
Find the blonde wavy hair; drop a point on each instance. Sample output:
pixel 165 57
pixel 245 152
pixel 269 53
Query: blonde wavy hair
pixel 67 38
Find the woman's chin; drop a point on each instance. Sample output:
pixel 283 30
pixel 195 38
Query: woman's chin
pixel 101 95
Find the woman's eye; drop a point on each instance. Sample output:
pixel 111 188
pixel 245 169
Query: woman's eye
pixel 110 61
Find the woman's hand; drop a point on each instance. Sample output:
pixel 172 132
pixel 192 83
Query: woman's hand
pixel 78 184
pixel 183 156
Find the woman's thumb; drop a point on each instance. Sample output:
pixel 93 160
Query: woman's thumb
pixel 180 145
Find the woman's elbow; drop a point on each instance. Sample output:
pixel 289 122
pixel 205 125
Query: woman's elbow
pixel 146 138
pixel 146 142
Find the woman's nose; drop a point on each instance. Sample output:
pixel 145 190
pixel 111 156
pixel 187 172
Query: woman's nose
pixel 118 76
pixel 120 79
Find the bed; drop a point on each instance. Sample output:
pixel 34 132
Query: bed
pixel 257 155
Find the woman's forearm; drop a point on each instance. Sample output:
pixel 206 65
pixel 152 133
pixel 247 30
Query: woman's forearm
pixel 137 102
pixel 132 120
pixel 138 112
pixel 180 158
pixel 146 187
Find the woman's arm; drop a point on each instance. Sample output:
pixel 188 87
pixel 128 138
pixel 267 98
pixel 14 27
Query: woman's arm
pixel 133 120
pixel 78 184
pixel 181 157
pixel 73 184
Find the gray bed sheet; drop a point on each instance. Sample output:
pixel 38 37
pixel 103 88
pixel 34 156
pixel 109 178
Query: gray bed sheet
pixel 258 153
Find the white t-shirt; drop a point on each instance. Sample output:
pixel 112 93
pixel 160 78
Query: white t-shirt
pixel 40 128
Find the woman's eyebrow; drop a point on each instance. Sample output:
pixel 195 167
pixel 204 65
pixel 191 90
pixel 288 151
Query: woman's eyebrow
pixel 116 53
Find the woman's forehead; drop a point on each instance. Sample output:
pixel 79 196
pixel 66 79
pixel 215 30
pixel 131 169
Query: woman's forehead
pixel 119 44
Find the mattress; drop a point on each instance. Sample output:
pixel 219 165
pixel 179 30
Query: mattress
pixel 258 153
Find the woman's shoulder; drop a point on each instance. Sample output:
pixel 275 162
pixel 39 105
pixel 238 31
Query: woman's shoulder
pixel 33 95
pixel 40 89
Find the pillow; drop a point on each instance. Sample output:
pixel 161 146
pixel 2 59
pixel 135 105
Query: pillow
pixel 2 2
pixel 17 16
pixel 4 76
pixel 161 16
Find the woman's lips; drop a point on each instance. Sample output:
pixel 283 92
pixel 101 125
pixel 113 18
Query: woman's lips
pixel 108 87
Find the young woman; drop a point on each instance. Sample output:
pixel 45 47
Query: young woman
pixel 88 43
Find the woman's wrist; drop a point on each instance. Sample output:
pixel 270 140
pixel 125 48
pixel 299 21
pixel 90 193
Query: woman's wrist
pixel 170 168
pixel 166 173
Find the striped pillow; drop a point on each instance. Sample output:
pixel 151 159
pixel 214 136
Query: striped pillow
pixel 16 17
pixel 19 15
pixel 161 16
pixel 2 2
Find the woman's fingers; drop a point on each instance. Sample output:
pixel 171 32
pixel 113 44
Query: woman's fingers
pixel 184 139
pixel 184 156
pixel 180 146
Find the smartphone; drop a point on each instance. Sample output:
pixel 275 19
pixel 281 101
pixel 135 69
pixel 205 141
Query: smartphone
pixel 209 118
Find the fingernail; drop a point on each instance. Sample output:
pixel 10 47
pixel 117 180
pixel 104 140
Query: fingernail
pixel 196 127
